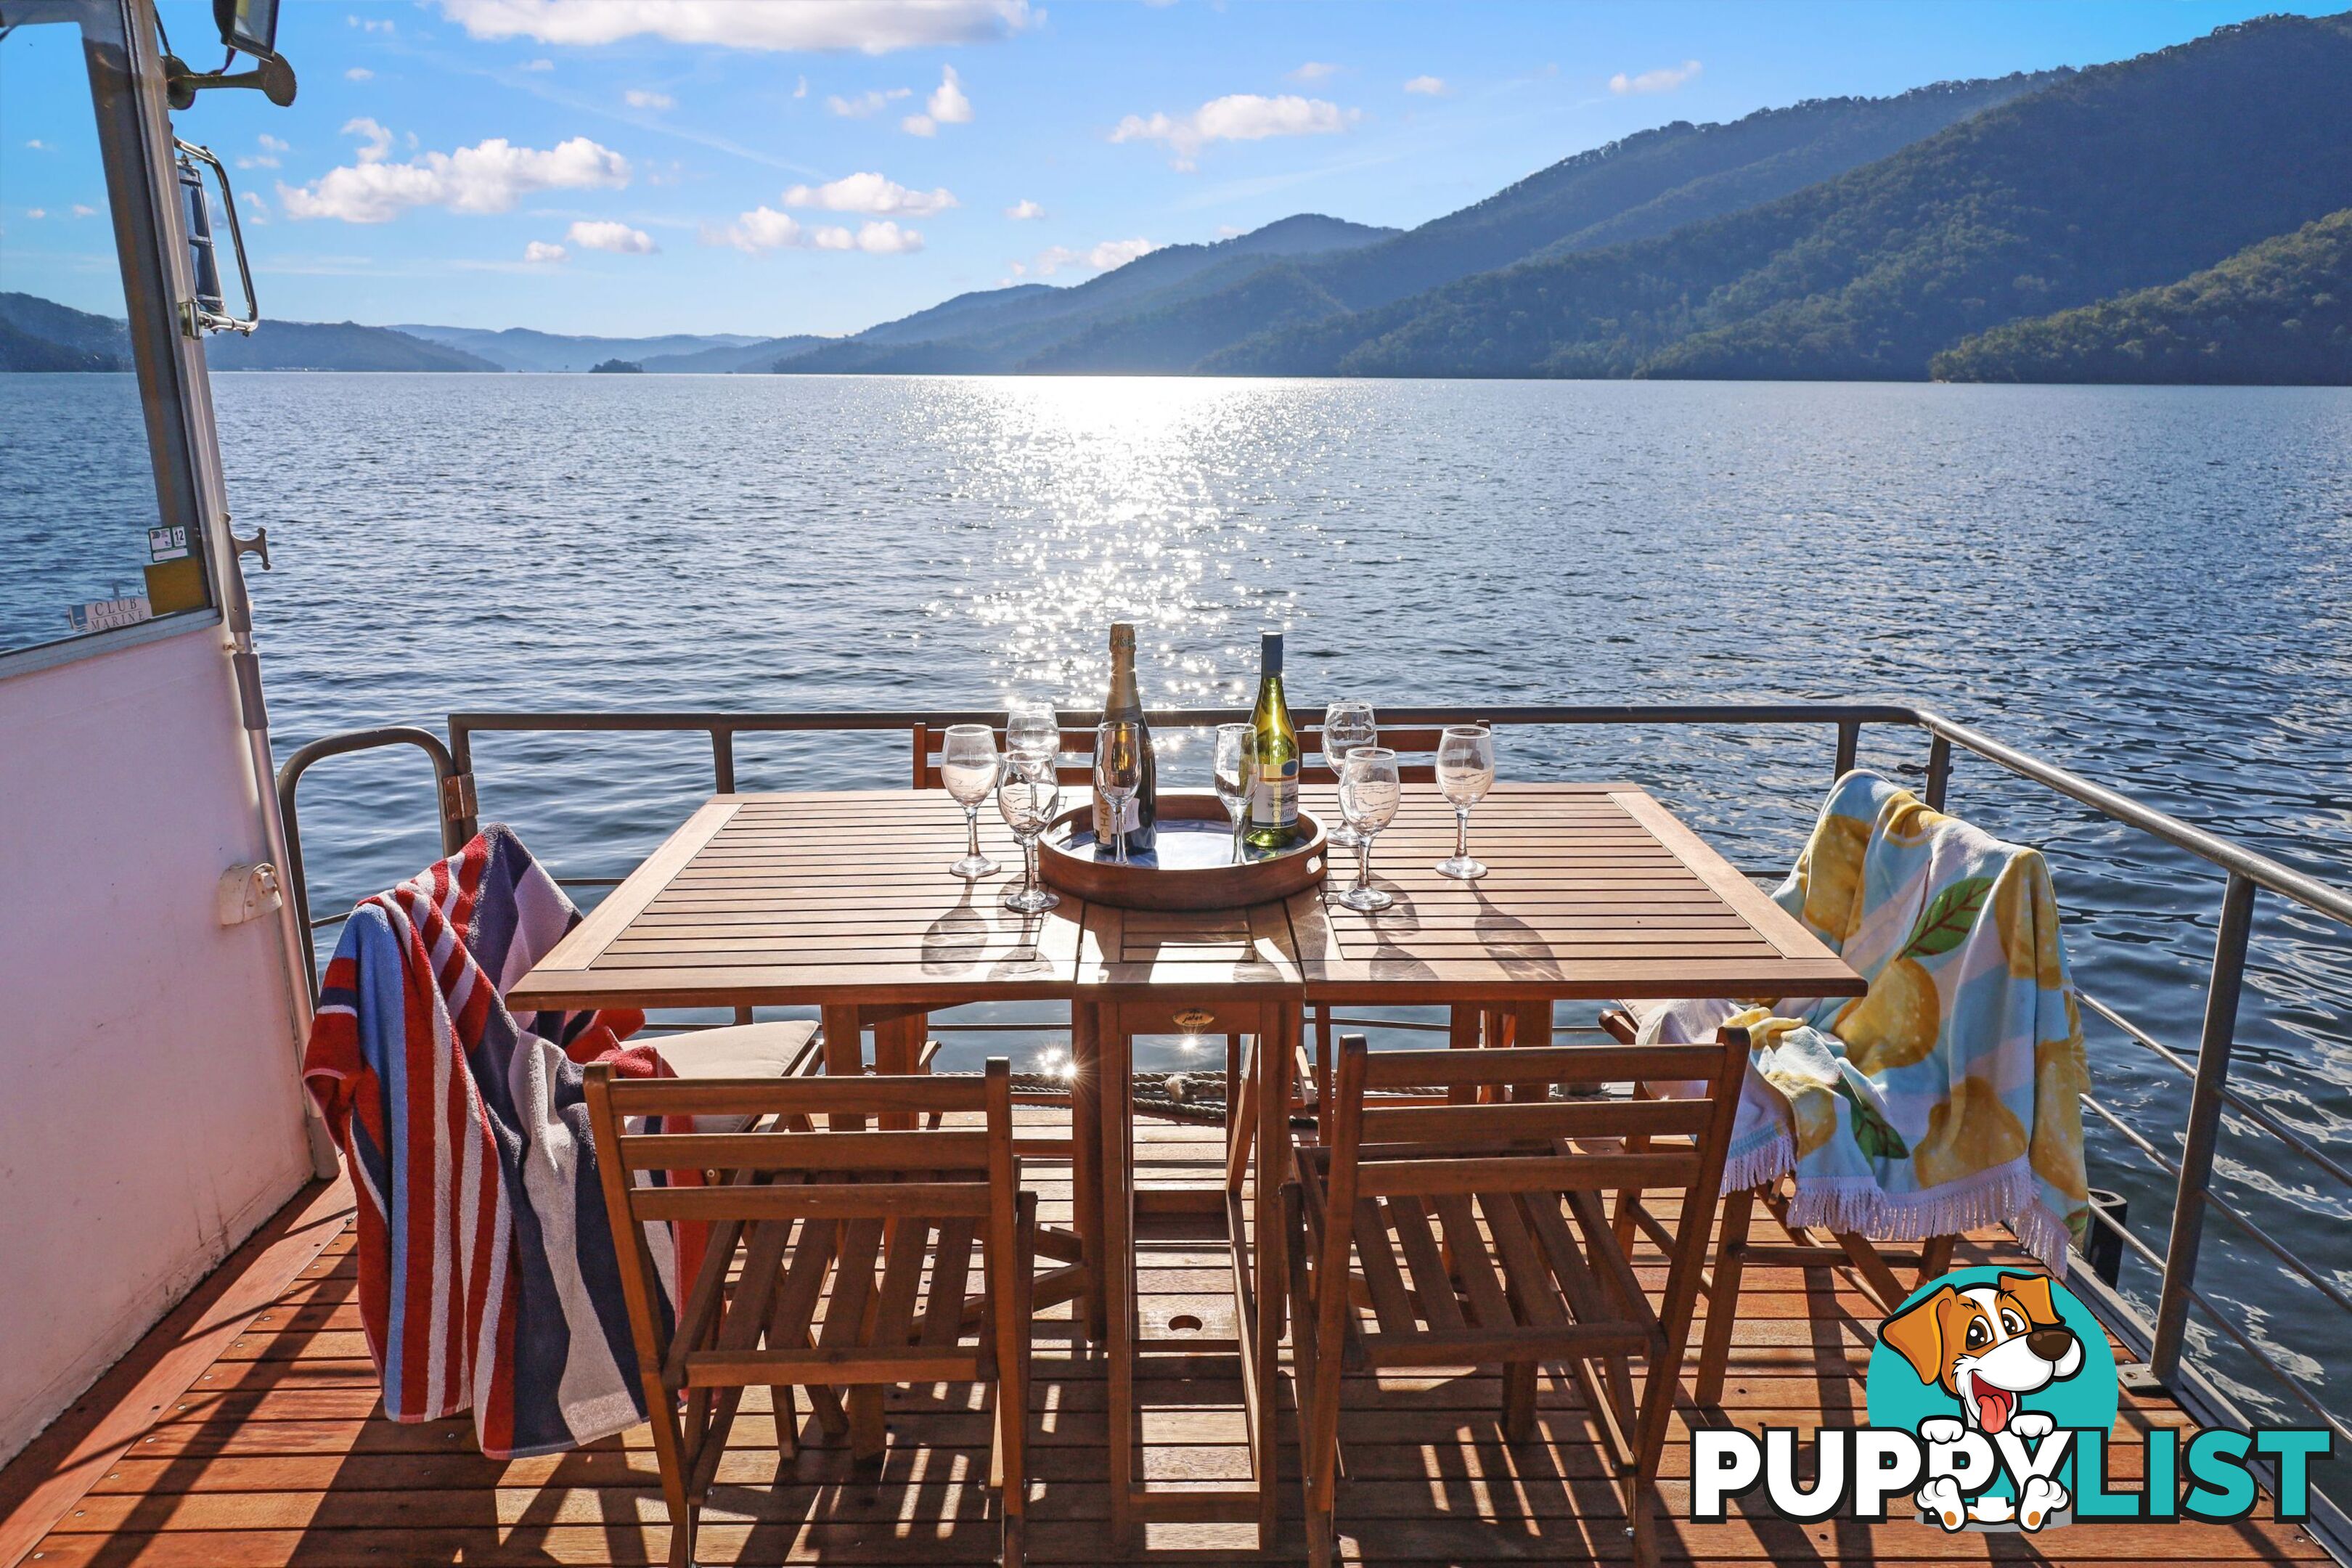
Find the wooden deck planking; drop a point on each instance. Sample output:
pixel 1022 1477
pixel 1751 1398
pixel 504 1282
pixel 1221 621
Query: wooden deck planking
pixel 275 1454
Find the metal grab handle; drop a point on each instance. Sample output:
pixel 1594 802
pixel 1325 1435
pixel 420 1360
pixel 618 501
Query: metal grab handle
pixel 208 311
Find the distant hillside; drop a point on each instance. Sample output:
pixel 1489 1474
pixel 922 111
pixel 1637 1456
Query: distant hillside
pixel 519 348
pixel 2123 176
pixel 2277 314
pixel 1174 307
pixel 333 345
pixel 756 354
pixel 1003 330
pixel 37 334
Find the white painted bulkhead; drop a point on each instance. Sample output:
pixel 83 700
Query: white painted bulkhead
pixel 151 1115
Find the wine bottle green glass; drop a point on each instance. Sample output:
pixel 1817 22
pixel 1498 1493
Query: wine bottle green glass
pixel 968 767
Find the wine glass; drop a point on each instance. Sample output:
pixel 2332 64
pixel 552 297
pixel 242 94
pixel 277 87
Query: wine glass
pixel 1370 787
pixel 968 767
pixel 1345 726
pixel 1236 763
pixel 1465 771
pixel 1033 733
pixel 1119 774
pixel 1026 797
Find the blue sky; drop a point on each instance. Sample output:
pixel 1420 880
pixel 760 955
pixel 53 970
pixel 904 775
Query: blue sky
pixel 639 166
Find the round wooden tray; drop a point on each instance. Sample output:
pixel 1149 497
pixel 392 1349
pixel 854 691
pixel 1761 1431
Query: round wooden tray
pixel 1190 868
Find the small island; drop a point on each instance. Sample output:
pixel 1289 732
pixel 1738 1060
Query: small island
pixel 618 367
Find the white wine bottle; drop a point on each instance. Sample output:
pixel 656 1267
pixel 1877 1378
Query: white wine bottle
pixel 1274 745
pixel 1142 813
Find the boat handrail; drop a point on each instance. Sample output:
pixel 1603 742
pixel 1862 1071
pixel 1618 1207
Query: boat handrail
pixel 2161 1341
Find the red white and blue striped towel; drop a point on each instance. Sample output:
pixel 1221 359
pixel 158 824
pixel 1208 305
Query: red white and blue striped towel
pixel 488 1280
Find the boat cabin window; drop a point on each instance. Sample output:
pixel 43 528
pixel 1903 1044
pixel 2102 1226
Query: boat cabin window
pixel 85 548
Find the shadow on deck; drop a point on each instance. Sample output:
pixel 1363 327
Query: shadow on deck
pixel 244 1432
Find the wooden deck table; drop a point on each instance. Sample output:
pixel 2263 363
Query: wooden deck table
pixel 843 899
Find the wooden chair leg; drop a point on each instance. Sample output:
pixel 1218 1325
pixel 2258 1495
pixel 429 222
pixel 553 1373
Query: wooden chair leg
pixel 684 1517
pixel 1518 1401
pixel 1723 1296
pixel 1934 1258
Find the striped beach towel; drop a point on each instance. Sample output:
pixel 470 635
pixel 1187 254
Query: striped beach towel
pixel 489 1281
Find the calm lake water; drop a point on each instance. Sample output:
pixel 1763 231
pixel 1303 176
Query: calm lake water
pixel 2148 585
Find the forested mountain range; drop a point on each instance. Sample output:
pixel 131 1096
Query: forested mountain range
pixel 2278 312
pixel 2122 177
pixel 1175 307
pixel 2162 218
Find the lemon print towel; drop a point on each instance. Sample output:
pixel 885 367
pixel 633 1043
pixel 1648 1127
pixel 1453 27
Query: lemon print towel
pixel 1946 1098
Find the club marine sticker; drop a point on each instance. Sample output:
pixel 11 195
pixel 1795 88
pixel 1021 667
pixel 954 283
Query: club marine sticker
pixel 1991 1407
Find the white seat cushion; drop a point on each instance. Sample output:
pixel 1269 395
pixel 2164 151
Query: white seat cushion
pixel 739 1050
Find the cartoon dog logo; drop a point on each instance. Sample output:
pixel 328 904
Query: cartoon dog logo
pixel 1988 1346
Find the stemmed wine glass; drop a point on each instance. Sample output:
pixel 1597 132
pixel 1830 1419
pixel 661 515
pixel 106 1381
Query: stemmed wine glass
pixel 1370 787
pixel 1345 726
pixel 1465 771
pixel 1236 761
pixel 1027 797
pixel 1119 774
pixel 1033 733
pixel 968 767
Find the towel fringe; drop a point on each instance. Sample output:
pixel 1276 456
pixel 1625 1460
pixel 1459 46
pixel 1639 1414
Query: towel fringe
pixel 2007 1195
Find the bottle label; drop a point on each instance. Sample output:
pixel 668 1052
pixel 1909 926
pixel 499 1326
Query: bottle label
pixel 1275 801
pixel 1130 818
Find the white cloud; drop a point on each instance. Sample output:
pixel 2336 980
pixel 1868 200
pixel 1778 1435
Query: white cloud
pixel 1314 71
pixel 1664 79
pixel 1101 258
pixel 36 212
pixel 540 252
pixel 869 194
pixel 1024 210
pixel 537 64
pixel 1237 117
pixel 1430 86
pixel 487 177
pixel 801 89
pixel 865 103
pixel 364 25
pixel 36 145
pixel 359 73
pixel 869 27
pixel 764 228
pixel 270 148
pixel 618 238
pixel 642 97
pixel 79 210
pixel 946 106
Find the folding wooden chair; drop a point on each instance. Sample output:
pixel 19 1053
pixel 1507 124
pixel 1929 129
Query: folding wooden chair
pixel 801 1208
pixel 1475 1234
pixel 1874 1263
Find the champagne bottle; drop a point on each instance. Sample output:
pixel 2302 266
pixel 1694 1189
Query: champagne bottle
pixel 1143 812
pixel 1274 742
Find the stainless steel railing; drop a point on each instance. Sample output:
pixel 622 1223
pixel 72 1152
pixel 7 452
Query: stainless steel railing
pixel 2162 1341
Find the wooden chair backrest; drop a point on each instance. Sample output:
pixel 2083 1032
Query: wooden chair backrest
pixel 1531 1143
pixel 943 1175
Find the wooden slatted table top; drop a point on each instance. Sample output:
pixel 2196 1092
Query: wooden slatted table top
pixel 1596 893
pixel 1593 891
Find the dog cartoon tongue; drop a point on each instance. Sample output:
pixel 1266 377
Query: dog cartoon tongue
pixel 1994 1406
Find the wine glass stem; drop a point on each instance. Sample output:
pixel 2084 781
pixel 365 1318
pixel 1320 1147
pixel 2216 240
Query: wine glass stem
pixel 1029 865
pixel 971 823
pixel 1363 859
pixel 1462 833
